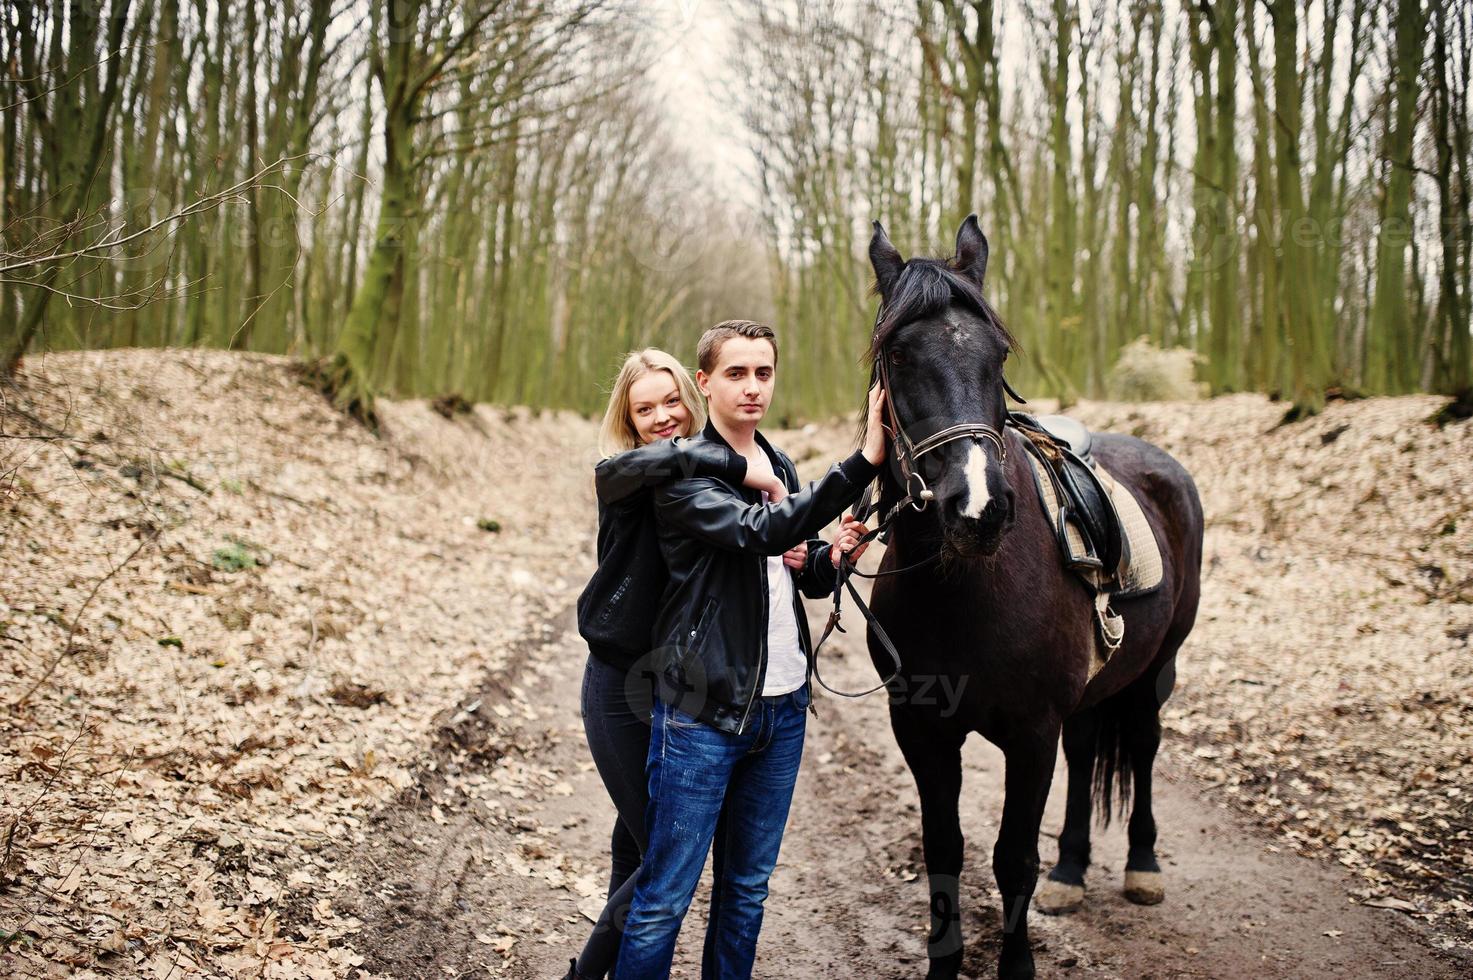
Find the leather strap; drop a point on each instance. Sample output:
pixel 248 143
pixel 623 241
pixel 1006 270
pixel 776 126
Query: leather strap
pixel 847 569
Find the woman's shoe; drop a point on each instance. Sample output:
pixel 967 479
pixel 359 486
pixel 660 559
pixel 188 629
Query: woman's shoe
pixel 573 973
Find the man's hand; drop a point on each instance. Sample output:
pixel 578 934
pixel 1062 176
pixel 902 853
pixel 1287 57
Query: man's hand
pixel 767 482
pixel 846 542
pixel 874 429
pixel 795 558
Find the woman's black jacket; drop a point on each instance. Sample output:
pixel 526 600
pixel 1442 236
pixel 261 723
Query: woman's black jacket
pixel 616 612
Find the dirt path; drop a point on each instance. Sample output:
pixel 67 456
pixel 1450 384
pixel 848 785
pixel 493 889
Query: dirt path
pixel 331 708
pixel 471 887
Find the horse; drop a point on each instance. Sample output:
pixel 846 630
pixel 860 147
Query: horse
pixel 972 592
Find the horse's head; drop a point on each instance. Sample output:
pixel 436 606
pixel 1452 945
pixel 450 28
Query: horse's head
pixel 939 348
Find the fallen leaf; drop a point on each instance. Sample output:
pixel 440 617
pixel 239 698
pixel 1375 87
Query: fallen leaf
pixel 592 906
pixel 72 880
pixel 1396 904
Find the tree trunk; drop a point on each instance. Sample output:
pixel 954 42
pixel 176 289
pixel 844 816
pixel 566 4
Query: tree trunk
pixel 1396 360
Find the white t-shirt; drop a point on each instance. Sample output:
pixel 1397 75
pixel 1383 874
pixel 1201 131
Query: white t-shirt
pixel 786 666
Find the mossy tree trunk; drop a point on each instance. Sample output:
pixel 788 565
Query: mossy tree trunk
pixel 373 315
pixel 1396 362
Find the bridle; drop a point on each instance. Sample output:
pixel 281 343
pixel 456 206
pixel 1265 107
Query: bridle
pixel 907 453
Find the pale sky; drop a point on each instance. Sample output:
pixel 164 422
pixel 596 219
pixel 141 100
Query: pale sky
pixel 696 41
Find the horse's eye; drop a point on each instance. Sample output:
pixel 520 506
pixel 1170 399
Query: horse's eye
pixel 897 357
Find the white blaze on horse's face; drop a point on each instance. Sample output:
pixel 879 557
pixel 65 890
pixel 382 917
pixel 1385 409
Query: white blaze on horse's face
pixel 976 477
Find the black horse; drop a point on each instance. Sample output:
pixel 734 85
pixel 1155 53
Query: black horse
pixel 980 600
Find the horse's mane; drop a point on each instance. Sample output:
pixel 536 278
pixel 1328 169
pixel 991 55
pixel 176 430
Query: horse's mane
pixel 924 289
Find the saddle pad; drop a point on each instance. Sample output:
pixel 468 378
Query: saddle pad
pixel 1143 572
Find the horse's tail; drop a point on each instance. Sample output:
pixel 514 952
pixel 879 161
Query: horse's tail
pixel 1112 773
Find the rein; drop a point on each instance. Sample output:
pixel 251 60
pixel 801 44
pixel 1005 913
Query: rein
pixel 847 569
pixel 907 453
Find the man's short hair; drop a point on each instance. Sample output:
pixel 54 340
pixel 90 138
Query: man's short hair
pixel 709 349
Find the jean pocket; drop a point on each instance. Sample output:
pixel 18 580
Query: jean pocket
pixel 679 718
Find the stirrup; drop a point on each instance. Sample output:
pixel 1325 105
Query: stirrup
pixel 1112 624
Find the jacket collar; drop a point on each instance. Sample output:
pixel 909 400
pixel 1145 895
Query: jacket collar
pixel 711 433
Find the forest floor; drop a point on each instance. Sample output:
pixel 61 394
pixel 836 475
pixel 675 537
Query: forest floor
pixel 282 699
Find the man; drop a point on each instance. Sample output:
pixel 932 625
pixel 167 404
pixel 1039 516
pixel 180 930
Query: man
pixel 733 663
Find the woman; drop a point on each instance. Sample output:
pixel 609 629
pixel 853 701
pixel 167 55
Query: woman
pixel 652 405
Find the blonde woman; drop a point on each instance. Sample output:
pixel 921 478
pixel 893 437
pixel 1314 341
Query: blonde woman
pixel 653 407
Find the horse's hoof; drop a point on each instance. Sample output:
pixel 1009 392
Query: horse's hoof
pixel 1144 887
pixel 1058 897
pixel 1017 966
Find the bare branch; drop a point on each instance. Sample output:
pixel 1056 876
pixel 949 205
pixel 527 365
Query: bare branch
pixel 204 204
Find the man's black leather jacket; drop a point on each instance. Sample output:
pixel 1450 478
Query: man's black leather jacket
pixel 710 656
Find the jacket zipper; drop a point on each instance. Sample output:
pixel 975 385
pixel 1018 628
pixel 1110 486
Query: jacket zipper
pixel 762 650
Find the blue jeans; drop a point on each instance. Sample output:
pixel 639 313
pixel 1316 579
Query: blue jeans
pixel 693 770
pixel 618 731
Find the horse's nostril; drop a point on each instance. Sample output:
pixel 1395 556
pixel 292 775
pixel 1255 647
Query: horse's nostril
pixel 995 511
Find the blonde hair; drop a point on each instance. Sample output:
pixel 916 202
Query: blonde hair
pixel 617 433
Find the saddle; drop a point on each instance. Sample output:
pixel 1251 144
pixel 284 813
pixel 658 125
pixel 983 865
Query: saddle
pixel 1085 520
pixel 1101 530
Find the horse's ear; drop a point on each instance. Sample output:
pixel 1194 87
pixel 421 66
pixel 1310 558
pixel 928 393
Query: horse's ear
pixel 886 260
pixel 971 250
